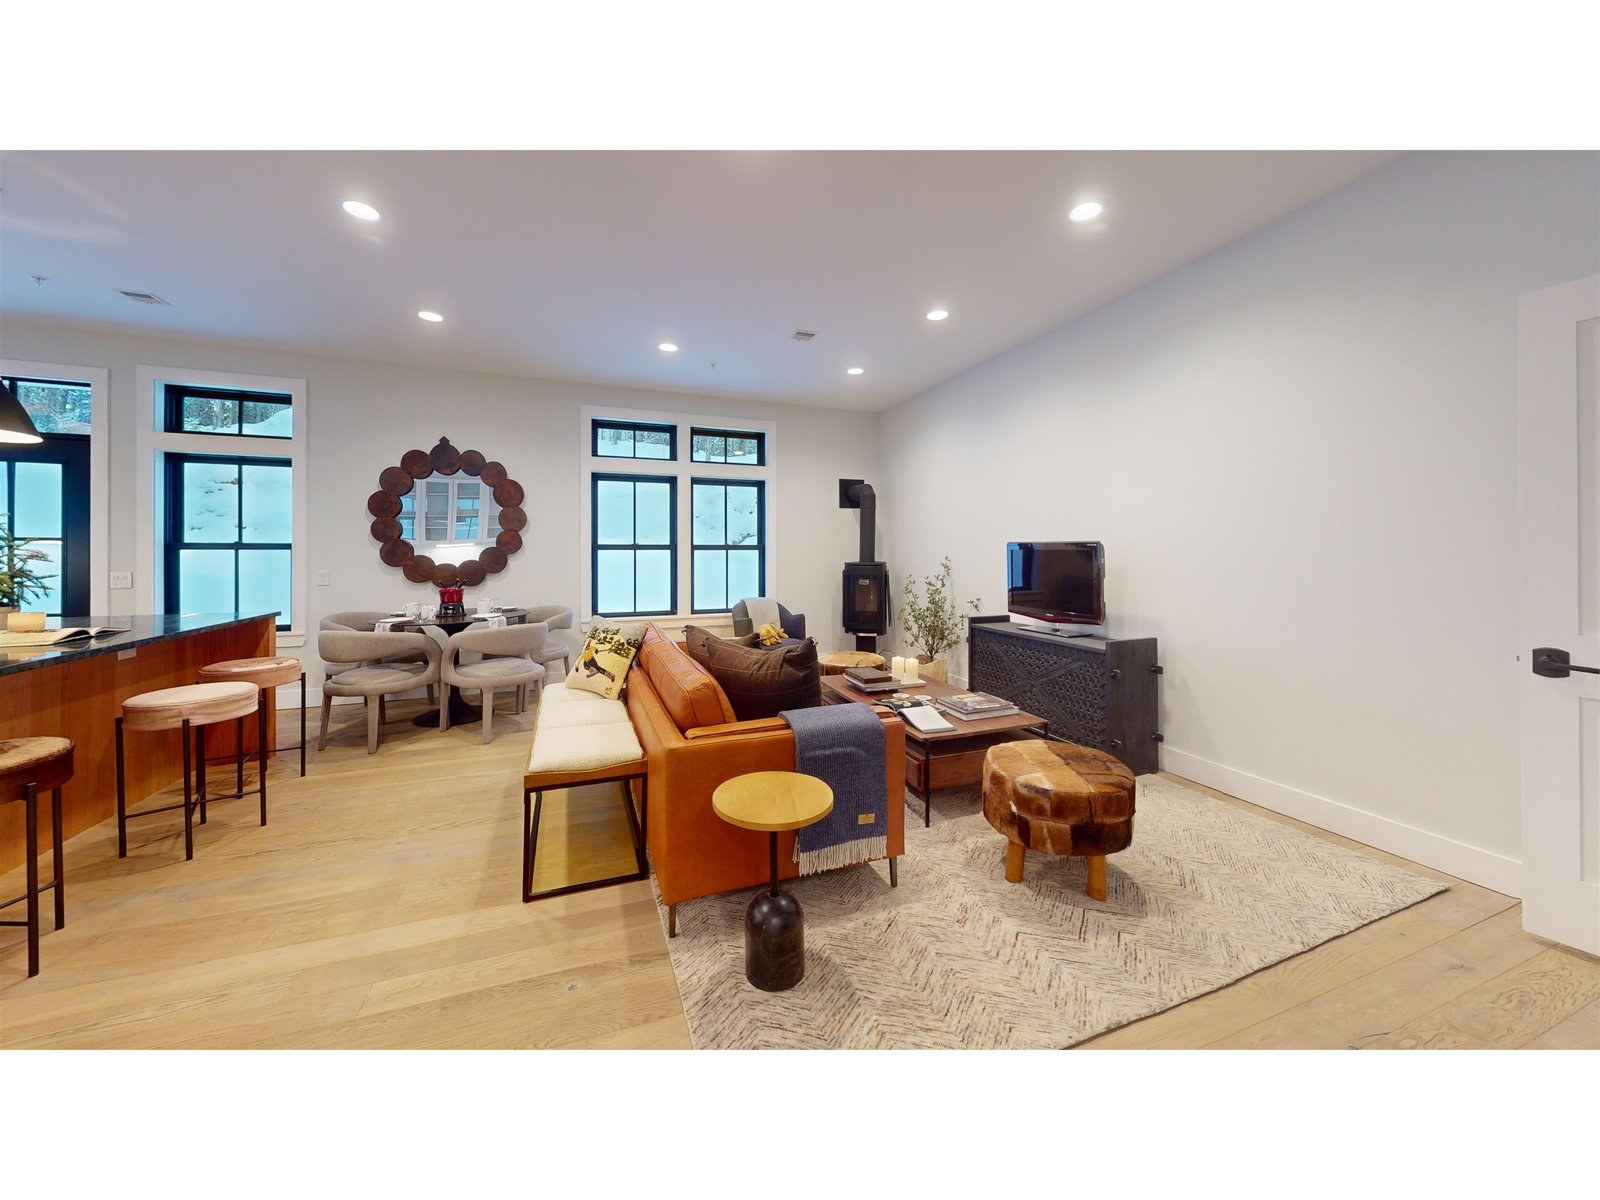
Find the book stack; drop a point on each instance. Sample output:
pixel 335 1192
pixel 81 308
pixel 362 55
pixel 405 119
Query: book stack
pixel 972 706
pixel 871 680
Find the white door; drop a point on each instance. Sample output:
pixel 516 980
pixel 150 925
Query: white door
pixel 1558 384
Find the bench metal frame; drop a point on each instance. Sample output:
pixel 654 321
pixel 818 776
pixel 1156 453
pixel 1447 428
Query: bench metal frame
pixel 534 787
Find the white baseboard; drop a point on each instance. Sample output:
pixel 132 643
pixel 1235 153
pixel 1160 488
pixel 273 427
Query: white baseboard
pixel 1472 863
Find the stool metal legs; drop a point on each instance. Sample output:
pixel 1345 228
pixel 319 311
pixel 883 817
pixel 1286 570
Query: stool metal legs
pixel 30 799
pixel 195 794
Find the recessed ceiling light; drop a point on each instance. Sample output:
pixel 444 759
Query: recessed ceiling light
pixel 1086 211
pixel 854 370
pixel 357 209
pixel 669 347
pixel 938 314
pixel 429 316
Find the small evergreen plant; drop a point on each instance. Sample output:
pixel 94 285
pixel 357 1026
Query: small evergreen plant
pixel 19 581
pixel 931 621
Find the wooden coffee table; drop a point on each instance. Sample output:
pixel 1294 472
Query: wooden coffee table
pixel 942 760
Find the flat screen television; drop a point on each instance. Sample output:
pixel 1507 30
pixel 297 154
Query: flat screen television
pixel 1062 583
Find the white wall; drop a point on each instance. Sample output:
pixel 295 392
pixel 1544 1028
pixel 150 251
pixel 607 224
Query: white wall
pixel 1300 452
pixel 363 416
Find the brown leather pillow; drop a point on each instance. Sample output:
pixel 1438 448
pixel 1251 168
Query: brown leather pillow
pixel 758 682
pixel 686 689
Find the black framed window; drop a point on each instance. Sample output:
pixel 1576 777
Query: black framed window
pixel 229 527
pixel 728 546
pixel 228 412
pixel 634 439
pixel 736 447
pixel 54 405
pixel 44 491
pixel 634 545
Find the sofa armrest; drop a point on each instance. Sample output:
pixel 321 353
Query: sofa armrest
pixel 735 728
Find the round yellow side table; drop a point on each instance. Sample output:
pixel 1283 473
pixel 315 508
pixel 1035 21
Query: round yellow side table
pixel 774 927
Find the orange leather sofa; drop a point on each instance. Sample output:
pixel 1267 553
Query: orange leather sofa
pixel 693 743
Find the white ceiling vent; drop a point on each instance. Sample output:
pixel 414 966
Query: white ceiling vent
pixel 804 335
pixel 141 297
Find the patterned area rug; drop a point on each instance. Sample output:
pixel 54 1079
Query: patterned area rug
pixel 957 958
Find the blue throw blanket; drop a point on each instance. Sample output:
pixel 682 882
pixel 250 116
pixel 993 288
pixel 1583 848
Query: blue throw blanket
pixel 842 745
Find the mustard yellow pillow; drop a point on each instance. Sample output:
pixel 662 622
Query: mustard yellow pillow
pixel 603 663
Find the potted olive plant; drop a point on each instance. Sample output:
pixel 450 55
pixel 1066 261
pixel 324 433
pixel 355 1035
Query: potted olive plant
pixel 931 623
pixel 18 580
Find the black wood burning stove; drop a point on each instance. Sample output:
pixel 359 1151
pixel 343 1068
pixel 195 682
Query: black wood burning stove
pixel 866 582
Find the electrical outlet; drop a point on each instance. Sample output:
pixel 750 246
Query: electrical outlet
pixel 322 579
pixel 122 579
pixel 125 655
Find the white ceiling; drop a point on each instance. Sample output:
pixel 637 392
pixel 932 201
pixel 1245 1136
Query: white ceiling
pixel 574 265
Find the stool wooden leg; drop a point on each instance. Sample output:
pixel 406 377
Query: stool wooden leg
pixel 374 717
pixel 238 758
pixel 261 741
pixel 1096 885
pixel 61 870
pixel 1015 853
pixel 188 795
pixel 486 698
pixel 30 798
pixel 122 801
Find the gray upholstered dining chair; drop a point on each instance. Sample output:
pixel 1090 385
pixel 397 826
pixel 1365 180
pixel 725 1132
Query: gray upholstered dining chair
pixel 515 666
pixel 373 666
pixel 365 622
pixel 553 616
pixel 794 624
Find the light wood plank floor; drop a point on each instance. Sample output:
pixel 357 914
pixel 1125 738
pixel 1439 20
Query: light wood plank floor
pixel 381 908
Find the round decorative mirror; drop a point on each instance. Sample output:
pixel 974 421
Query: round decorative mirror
pixel 447 502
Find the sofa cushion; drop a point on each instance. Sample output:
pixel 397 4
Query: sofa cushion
pixel 602 666
pixel 763 682
pixel 687 690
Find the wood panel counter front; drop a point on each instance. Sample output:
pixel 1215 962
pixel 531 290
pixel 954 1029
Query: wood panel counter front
pixel 46 691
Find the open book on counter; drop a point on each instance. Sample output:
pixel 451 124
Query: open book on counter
pixel 56 637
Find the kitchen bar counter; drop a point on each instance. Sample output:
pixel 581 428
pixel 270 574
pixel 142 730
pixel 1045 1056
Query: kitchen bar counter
pixel 48 691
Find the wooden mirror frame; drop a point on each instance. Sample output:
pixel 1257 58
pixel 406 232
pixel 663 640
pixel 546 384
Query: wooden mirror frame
pixel 445 459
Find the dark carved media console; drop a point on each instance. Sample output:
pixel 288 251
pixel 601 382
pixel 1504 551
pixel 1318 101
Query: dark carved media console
pixel 1098 692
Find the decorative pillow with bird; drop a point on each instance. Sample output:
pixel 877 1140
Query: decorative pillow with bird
pixel 770 635
pixel 603 663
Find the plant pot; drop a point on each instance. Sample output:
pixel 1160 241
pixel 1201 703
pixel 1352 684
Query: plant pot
pixel 937 669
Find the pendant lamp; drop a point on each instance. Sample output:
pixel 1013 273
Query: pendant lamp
pixel 14 423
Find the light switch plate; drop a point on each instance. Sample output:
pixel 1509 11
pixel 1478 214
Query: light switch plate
pixel 322 579
pixel 122 579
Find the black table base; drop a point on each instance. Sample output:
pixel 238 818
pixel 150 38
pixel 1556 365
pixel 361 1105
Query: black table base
pixel 774 935
pixel 461 712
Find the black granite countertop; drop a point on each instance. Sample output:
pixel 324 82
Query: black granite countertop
pixel 142 631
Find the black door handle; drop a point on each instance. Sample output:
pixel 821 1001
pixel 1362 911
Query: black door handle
pixel 1556 664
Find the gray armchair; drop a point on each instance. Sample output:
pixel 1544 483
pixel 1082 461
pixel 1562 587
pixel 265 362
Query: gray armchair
pixel 364 622
pixel 553 616
pixel 373 666
pixel 794 624
pixel 515 666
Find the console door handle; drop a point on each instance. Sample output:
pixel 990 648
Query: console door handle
pixel 1554 663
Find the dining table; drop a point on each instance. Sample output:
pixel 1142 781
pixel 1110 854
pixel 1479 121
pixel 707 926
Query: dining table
pixel 462 711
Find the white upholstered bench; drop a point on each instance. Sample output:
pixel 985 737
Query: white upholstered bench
pixel 581 738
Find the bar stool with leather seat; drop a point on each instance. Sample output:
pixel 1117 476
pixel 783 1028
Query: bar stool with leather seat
pixel 265 673
pixel 190 708
pixel 29 766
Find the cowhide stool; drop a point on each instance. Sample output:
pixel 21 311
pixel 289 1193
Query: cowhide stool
pixel 265 673
pixel 191 708
pixel 1061 799
pixel 29 766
